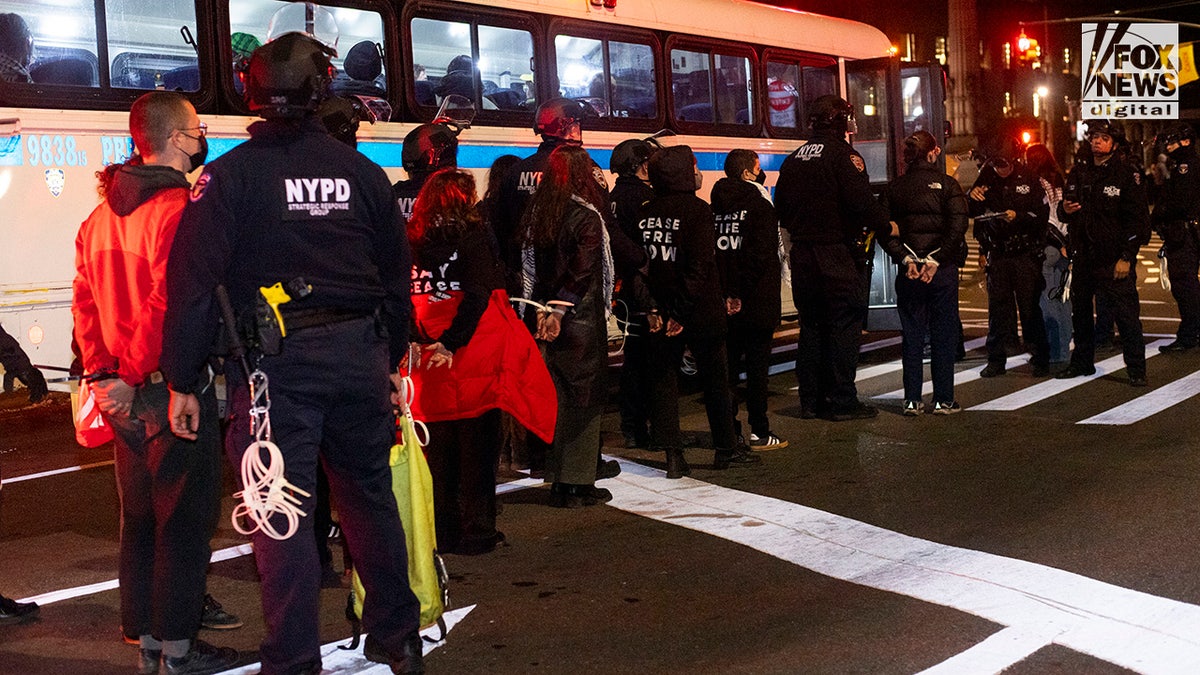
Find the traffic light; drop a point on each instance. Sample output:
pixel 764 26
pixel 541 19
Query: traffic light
pixel 1026 48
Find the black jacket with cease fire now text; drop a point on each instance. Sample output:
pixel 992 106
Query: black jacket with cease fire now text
pixel 747 238
pixel 677 232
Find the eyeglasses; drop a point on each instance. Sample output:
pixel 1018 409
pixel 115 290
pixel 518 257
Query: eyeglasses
pixel 202 128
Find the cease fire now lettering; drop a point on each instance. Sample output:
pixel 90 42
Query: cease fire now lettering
pixel 317 196
pixel 658 237
pixel 729 230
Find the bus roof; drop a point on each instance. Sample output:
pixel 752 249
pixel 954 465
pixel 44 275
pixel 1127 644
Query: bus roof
pixel 729 19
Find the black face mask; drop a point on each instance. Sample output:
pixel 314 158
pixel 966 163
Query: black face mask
pixel 761 178
pixel 196 159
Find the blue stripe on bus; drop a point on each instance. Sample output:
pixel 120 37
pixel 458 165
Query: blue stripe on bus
pixel 388 155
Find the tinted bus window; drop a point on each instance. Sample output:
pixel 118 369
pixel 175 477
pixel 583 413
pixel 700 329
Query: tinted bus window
pixel 791 86
pixel 505 58
pixel 356 34
pixel 147 48
pixel 64 47
pixel 704 93
pixel 629 89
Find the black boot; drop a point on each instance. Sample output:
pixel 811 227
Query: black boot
pixel 677 466
pixel 739 456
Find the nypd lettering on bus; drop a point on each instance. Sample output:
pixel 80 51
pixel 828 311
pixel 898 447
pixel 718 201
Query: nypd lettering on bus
pixel 658 237
pixel 315 197
pixel 729 230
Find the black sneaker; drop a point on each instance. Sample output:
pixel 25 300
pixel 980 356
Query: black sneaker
pixel 607 468
pixel 410 660
pixel 946 408
pixel 12 611
pixel 993 370
pixel 568 496
pixel 739 456
pixel 202 659
pixel 1075 371
pixel 768 442
pixel 856 411
pixel 1137 381
pixel 913 408
pixel 1178 346
pixel 216 618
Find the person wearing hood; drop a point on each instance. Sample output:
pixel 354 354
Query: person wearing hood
pixel 459 79
pixel 676 230
pixel 747 235
pixel 631 192
pixel 1175 219
pixel 930 211
pixel 169 486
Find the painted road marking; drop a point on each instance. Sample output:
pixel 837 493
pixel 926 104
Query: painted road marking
pixel 338 661
pixel 1150 404
pixel 1044 390
pixel 961 377
pixel 55 472
pixel 1135 630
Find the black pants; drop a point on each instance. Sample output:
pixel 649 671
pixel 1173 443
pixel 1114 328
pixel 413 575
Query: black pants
pixel 170 493
pixel 330 402
pixel 828 294
pixel 929 309
pixel 462 460
pixel 1183 263
pixel 634 384
pixel 1016 281
pixel 1091 282
pixel 751 343
pixel 712 366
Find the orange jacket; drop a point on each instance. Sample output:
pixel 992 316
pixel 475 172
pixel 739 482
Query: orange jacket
pixel 120 290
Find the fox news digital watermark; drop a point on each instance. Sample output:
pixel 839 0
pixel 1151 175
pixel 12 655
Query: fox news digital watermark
pixel 1132 70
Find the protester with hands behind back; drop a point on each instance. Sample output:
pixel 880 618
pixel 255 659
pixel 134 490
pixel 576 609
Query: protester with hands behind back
pixel 1104 207
pixel 930 211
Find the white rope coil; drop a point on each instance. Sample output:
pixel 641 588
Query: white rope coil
pixel 265 492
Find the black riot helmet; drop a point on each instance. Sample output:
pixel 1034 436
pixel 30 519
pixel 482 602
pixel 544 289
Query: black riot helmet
pixel 288 77
pixel 556 117
pixel 629 155
pixel 831 112
pixel 1006 152
pixel 1177 133
pixel 1107 127
pixel 428 148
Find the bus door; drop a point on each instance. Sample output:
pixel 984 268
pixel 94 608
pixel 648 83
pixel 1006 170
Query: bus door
pixel 890 103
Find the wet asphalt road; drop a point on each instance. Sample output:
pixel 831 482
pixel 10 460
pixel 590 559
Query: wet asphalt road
pixel 656 583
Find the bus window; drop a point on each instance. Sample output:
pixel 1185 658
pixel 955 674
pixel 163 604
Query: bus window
pixel 146 47
pixel 713 88
pixel 64 43
pixel 867 91
pixel 444 49
pixel 629 89
pixel 356 34
pixel 505 56
pixel 794 81
pixel 690 83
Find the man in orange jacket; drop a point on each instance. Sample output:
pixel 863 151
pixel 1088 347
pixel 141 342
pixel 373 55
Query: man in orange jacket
pixel 169 487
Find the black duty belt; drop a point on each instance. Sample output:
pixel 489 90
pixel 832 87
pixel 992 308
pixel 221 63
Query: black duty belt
pixel 311 318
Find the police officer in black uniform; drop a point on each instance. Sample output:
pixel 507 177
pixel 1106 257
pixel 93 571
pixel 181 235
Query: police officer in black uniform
pixel 426 149
pixel 1010 211
pixel 1175 219
pixel 824 200
pixel 294 206
pixel 1104 207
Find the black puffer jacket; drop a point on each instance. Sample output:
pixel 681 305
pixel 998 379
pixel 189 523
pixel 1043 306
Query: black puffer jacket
pixel 747 236
pixel 677 231
pixel 931 210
